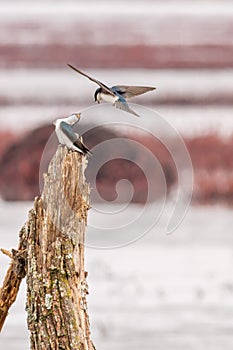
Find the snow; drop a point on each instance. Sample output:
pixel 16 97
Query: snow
pixel 41 96
pixel 51 85
pixel 161 29
pixel 188 121
pixel 15 10
pixel 163 292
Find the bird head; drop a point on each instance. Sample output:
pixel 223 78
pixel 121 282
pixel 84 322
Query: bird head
pixel 75 115
pixel 97 95
pixel 72 119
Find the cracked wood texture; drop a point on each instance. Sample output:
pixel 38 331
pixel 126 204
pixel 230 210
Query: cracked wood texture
pixel 15 273
pixel 56 278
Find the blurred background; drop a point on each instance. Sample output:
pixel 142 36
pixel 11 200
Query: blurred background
pixel 162 292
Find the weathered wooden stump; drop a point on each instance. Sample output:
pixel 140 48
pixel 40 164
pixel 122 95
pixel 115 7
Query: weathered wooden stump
pixel 54 258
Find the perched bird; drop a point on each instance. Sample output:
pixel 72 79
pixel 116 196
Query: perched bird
pixel 67 136
pixel 117 94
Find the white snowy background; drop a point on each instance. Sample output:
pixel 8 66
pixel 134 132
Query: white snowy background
pixel 162 292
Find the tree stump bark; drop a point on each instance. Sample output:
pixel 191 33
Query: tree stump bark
pixel 15 273
pixel 56 278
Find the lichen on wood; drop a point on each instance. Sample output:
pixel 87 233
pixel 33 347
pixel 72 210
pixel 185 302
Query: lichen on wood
pixel 56 278
pixel 54 257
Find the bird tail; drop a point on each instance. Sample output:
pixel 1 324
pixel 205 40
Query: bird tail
pixel 80 145
pixel 125 107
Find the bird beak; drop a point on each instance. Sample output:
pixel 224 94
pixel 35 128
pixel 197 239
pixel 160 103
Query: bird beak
pixel 54 123
pixel 78 115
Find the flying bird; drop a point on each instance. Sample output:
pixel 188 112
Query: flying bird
pixel 67 136
pixel 117 94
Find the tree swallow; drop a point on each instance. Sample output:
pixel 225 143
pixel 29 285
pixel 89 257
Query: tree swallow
pixel 117 94
pixel 67 136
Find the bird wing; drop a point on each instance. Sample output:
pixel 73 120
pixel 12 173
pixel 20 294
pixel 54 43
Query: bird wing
pixel 68 131
pixel 128 91
pixel 104 87
pixel 81 146
pixel 74 138
pixel 123 105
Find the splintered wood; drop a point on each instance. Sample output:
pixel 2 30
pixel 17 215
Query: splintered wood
pixel 56 278
pixel 15 273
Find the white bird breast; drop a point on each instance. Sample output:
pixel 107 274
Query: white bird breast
pixel 108 98
pixel 62 138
